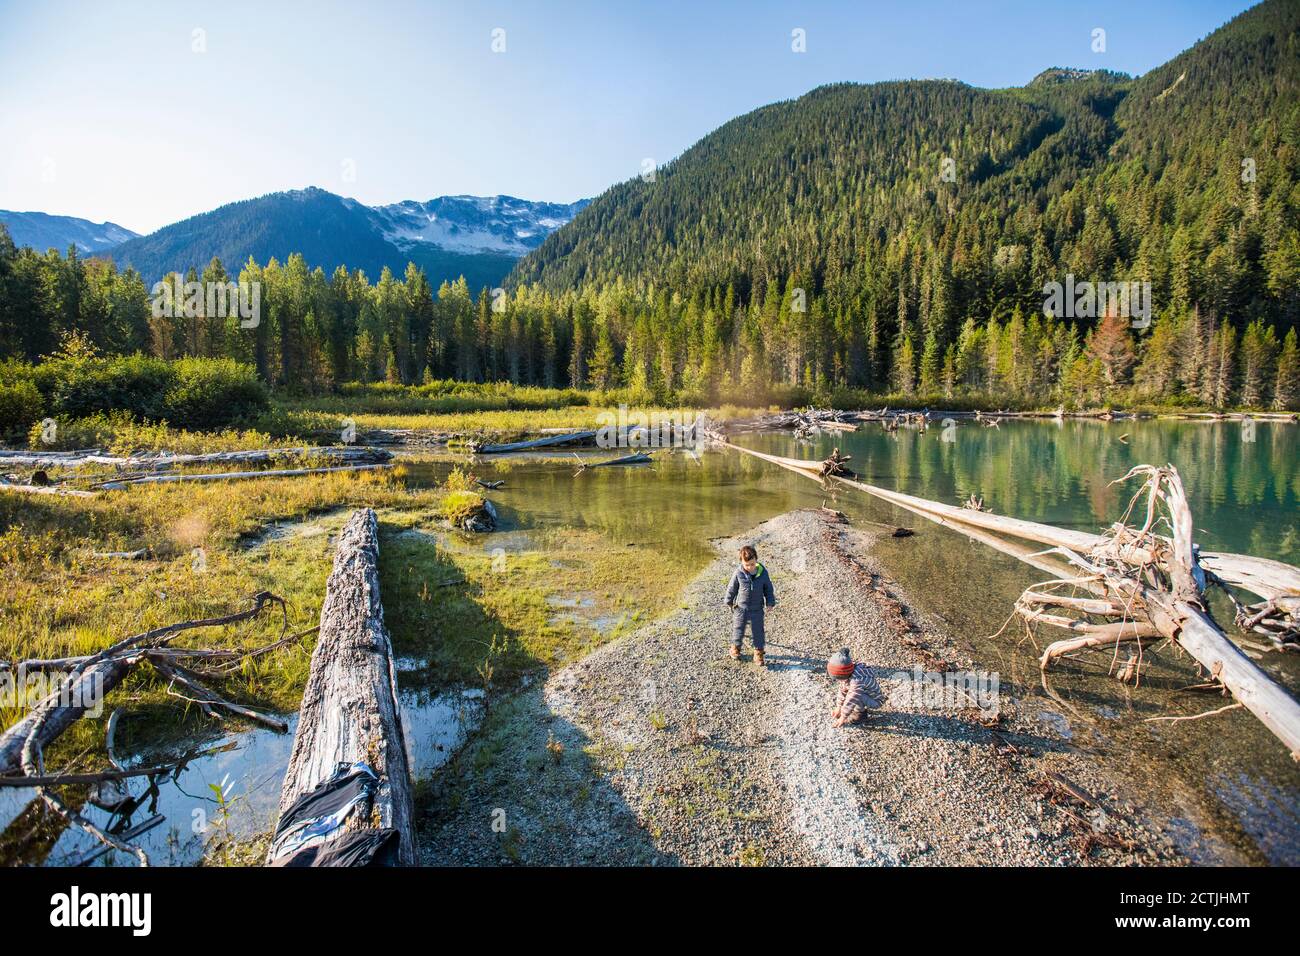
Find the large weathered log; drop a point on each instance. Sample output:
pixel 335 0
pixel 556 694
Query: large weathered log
pixel 1269 579
pixel 350 711
pixel 164 461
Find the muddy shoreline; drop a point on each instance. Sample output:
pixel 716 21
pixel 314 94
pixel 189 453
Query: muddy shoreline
pixel 656 749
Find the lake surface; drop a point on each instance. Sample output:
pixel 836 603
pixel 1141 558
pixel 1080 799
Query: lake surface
pixel 1232 790
pixel 1243 483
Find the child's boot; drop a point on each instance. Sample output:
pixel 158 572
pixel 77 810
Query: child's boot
pixel 758 658
pixel 734 652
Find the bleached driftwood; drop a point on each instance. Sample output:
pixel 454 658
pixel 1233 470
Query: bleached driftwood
pixel 1262 576
pixel 88 680
pixel 350 709
pixel 163 461
pixel 549 441
pixel 81 690
pixel 1164 598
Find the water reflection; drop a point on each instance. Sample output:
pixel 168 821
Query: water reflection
pixel 1245 495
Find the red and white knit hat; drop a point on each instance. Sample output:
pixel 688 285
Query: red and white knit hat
pixel 840 664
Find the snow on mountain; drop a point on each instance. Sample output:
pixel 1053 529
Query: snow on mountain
pixel 472 224
pixel 478 237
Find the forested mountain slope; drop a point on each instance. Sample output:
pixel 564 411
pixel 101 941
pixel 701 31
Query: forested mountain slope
pixel 1086 173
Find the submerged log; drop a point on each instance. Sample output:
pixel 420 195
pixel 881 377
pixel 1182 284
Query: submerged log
pixel 641 458
pixel 350 712
pixel 1262 576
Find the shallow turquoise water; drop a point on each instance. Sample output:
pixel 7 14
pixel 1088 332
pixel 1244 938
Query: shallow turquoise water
pixel 1244 494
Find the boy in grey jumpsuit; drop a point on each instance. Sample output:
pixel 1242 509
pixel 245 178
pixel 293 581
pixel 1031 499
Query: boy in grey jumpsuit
pixel 747 594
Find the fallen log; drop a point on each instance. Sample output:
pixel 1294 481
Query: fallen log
pixel 89 681
pixel 237 475
pixel 1170 596
pixel 802 420
pixel 139 554
pixel 222 656
pixel 62 708
pixel 837 426
pixel 164 461
pixel 1262 576
pixel 103 776
pixel 207 698
pixel 350 713
pixel 549 441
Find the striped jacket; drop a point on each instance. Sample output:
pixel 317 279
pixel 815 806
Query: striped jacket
pixel 861 691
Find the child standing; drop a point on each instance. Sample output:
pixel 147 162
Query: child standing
pixel 858 690
pixel 750 589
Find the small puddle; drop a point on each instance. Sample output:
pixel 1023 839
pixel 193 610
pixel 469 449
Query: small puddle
pixel 556 601
pixel 436 725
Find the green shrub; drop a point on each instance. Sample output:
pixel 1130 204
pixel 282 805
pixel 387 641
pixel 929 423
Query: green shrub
pixel 187 393
pixel 80 386
pixel 209 393
pixel 93 431
pixel 21 406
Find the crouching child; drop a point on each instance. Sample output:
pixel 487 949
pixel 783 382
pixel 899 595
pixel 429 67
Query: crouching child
pixel 749 592
pixel 858 689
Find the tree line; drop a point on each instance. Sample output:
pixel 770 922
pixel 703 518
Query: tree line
pixel 317 331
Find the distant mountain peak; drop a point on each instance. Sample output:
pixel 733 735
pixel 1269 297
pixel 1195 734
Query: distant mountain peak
pixel 478 236
pixel 471 224
pixel 42 231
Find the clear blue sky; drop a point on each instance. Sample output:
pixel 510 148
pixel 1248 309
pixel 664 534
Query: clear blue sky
pixel 107 112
